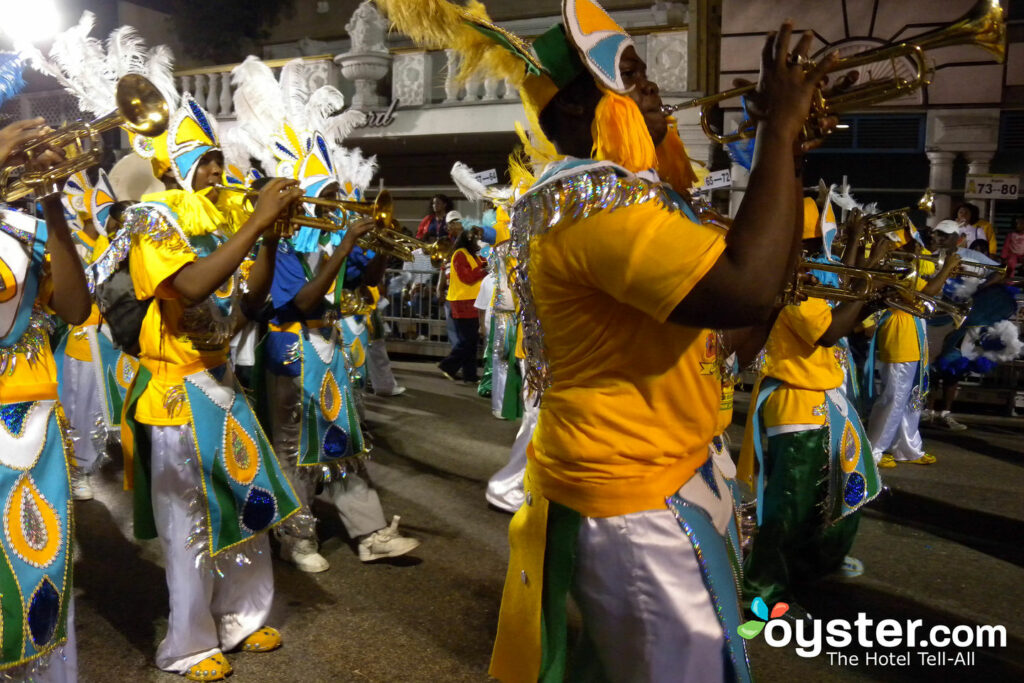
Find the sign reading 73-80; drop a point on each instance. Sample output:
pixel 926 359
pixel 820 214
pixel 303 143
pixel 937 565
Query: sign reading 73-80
pixel 992 186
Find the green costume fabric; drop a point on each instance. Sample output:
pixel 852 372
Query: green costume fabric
pixel 793 543
pixel 486 384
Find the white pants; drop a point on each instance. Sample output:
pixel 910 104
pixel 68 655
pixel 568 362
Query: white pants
pixel 642 595
pixel 208 614
pixel 505 488
pixel 893 426
pixel 499 374
pixel 378 366
pixel 80 397
pixel 353 495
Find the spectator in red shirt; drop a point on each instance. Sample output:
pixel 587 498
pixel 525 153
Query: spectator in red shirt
pixel 433 224
pixel 465 273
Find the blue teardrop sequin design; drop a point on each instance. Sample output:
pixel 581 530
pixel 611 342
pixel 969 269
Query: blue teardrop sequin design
pixel 43 612
pixel 284 150
pixel 335 442
pixel 855 489
pixel 13 416
pixel 259 509
pixel 322 144
pixel 200 117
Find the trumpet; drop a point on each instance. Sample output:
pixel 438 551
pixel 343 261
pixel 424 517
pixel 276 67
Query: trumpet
pixel 384 238
pixel 140 108
pixel 982 25
pixel 893 286
pixel 913 301
pixel 965 269
pixel 856 284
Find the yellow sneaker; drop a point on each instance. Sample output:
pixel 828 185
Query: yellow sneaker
pixel 925 459
pixel 887 461
pixel 263 640
pixel 213 668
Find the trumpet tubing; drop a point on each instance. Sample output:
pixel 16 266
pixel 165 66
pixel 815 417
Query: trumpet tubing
pixel 140 108
pixel 982 25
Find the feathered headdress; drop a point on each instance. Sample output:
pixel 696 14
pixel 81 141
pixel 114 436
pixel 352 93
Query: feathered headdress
pixel 12 65
pixel 588 39
pixel 90 71
pixel 290 130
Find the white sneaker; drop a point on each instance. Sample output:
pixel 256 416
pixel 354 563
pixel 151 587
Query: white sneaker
pixel 386 542
pixel 497 414
pixel 927 415
pixel 397 391
pixel 81 488
pixel 945 419
pixel 303 553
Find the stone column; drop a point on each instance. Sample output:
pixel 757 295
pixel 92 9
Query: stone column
pixel 978 164
pixel 940 179
pixel 226 101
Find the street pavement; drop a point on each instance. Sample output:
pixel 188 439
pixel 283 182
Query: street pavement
pixel 943 544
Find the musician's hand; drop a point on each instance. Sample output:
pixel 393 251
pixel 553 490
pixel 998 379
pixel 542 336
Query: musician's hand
pixel 786 86
pixel 16 135
pixel 357 230
pixel 274 198
pixel 951 263
pixel 44 162
pixel 856 223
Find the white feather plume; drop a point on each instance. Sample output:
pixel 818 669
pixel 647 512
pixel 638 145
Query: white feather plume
pixel 160 72
pixel 89 70
pixel 342 125
pixel 259 108
pixel 352 167
pixel 126 52
pixel 471 188
pixel 844 199
pixel 1005 331
pixel 295 88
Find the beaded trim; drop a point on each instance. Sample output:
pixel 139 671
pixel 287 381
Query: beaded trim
pixel 565 199
pixel 30 344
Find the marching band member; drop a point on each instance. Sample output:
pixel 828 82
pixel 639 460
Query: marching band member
pixel 901 346
pixel 44 279
pixel 615 317
pixel 94 373
pixel 205 478
pixel 807 521
pixel 310 399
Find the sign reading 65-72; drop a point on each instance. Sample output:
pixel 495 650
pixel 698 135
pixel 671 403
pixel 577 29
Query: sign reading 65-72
pixel 992 186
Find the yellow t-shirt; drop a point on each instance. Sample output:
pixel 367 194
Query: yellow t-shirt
pixel 634 399
pixel 34 380
pixel 78 340
pixel 898 336
pixel 806 369
pixel 725 408
pixel 164 349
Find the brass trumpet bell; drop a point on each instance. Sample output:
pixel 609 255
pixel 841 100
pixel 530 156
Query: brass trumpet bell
pixel 385 237
pixel 927 202
pixel 982 26
pixel 141 108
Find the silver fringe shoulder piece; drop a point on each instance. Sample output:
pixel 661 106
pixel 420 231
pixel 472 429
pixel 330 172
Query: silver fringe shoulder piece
pixel 563 199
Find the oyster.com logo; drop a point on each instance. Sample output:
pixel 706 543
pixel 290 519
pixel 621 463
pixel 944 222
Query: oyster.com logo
pixel 751 629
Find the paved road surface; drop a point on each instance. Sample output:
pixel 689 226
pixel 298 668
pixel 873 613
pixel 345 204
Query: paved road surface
pixel 944 546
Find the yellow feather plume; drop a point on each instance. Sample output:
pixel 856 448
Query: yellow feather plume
pixel 441 25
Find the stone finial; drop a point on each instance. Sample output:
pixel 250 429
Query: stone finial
pixel 367 28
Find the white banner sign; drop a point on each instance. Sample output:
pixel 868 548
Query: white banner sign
pixel 488 177
pixel 717 179
pixel 992 186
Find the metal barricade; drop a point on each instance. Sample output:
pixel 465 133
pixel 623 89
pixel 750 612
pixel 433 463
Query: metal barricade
pixel 414 319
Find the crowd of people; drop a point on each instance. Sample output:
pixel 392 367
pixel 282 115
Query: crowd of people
pixel 222 331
